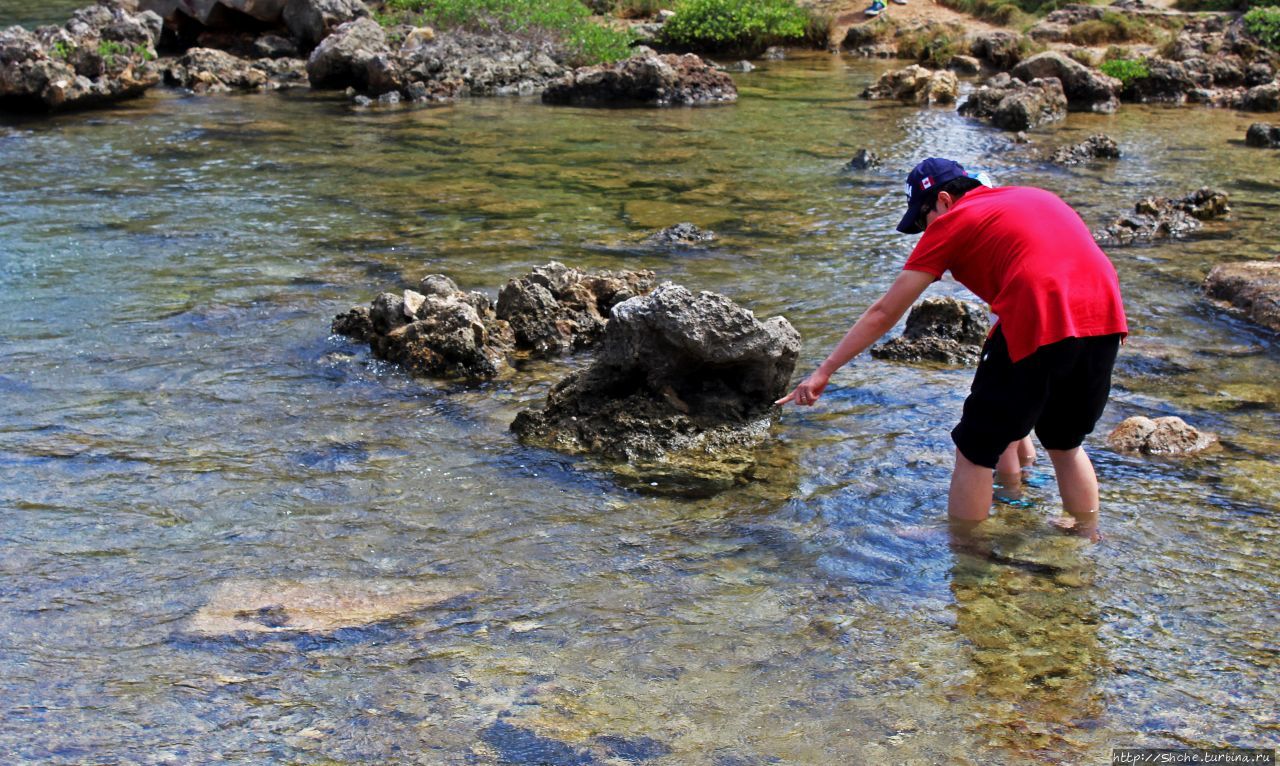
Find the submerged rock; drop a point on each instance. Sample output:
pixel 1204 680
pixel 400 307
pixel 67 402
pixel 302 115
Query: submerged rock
pixel 865 159
pixel 1263 135
pixel 915 84
pixel 1099 145
pixel 646 79
pixel 1161 436
pixel 1156 218
pixel 1252 287
pixel 944 330
pixel 682 385
pixel 681 235
pixel 554 309
pixel 310 606
pixel 103 54
pixel 1012 104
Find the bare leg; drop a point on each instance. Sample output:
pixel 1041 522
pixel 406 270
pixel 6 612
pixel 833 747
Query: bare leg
pixel 1026 451
pixel 970 496
pixel 1078 485
pixel 1009 472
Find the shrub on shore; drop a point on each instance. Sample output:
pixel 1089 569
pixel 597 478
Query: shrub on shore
pixel 744 27
pixel 566 21
pixel 1264 24
pixel 1127 71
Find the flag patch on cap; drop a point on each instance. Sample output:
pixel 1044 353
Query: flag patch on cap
pixel 926 182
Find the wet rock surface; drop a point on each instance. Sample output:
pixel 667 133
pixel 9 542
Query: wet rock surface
pixel 864 159
pixel 682 385
pixel 1097 146
pixel 1251 287
pixel 647 79
pixel 438 330
pixel 915 84
pixel 240 607
pixel 943 330
pixel 1156 218
pixel 1086 90
pixel 1012 104
pixel 1263 135
pixel 681 236
pixel 205 70
pixel 1159 436
pixel 103 54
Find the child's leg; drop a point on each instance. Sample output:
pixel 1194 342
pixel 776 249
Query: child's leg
pixel 1078 485
pixel 970 496
pixel 1026 451
pixel 1009 472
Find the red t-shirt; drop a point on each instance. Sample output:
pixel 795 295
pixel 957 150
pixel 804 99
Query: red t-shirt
pixel 1030 257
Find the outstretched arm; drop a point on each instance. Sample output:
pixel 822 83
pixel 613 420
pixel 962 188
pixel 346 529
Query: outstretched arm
pixel 874 322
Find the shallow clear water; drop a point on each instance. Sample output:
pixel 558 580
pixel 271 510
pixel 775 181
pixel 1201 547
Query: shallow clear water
pixel 176 418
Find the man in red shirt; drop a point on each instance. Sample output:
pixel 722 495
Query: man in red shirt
pixel 1047 363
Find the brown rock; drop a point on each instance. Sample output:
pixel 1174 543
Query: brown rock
pixel 1252 287
pixel 1162 436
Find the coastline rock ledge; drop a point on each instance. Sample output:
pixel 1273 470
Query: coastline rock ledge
pixel 682 387
pixel 646 79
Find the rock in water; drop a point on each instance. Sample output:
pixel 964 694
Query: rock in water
pixel 942 330
pixel 1161 436
pixel 1156 218
pixel 915 84
pixel 682 386
pixel 646 79
pixel 1011 104
pixel 1095 146
pixel 1252 287
pixel 554 310
pixel 1086 90
pixel 103 54
pixel 681 236
pixel 1263 135
pixel 440 331
pixel 310 606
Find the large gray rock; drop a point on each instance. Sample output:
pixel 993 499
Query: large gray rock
pixel 1159 436
pixel 356 56
pixel 310 21
pixel 1250 287
pixel 1011 104
pixel 1086 90
pixel 1097 146
pixel 646 79
pixel 915 84
pixel 103 54
pixel 555 310
pixel 207 11
pixel 682 384
pixel 459 63
pixel 1156 218
pixel 1262 98
pixel 943 330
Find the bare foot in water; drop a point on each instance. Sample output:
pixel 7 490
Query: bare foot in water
pixel 1087 529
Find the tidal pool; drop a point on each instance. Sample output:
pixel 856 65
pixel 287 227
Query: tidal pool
pixel 177 421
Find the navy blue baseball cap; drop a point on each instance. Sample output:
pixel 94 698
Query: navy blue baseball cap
pixel 922 188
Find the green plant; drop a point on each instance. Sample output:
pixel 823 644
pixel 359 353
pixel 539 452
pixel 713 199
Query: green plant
pixel 737 26
pixel 1084 56
pixel 1264 24
pixel 566 21
pixel 109 49
pixel 62 50
pixel 1127 71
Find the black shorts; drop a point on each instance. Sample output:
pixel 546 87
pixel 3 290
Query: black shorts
pixel 1060 390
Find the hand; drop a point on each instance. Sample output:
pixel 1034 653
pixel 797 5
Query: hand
pixel 808 391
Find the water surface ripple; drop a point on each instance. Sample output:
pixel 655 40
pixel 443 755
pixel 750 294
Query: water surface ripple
pixel 176 418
